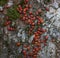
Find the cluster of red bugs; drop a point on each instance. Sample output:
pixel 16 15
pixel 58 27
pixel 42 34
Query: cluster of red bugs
pixel 29 18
